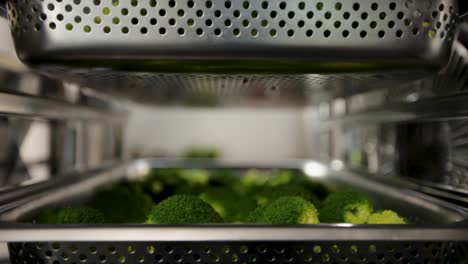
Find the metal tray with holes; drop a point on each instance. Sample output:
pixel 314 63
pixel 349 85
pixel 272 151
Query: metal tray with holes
pixel 439 237
pixel 122 44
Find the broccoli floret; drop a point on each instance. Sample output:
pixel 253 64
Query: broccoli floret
pixel 256 216
pixel 195 177
pixel 80 215
pixel 386 217
pixel 288 210
pixel 124 203
pixel 46 216
pixel 346 207
pixel 232 206
pixel 270 194
pixel 201 153
pixel 183 209
pixel 281 177
pixel 253 178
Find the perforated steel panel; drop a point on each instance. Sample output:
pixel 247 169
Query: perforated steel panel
pixel 238 252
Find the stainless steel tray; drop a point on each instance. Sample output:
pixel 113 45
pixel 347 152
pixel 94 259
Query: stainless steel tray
pixel 443 238
pixel 122 44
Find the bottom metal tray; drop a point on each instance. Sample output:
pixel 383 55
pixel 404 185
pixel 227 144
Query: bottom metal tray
pixel 441 235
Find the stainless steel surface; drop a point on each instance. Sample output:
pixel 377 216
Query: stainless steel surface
pixel 125 48
pixel 441 216
pixel 377 31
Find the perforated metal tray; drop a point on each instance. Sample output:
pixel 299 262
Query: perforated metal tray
pixel 443 239
pixel 121 44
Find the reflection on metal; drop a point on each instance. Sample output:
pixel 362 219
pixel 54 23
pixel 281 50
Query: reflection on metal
pixel 50 128
pixel 418 131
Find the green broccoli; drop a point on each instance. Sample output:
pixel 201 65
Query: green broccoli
pixel 123 203
pixel 281 177
pixel 288 210
pixel 386 217
pixel 346 207
pixel 46 216
pixel 183 209
pixel 232 206
pixel 79 215
pixel 270 194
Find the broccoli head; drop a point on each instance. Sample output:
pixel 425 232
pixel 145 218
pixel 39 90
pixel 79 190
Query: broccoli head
pixel 230 205
pixel 386 217
pixel 288 210
pixel 270 194
pixel 123 203
pixel 183 209
pixel 346 207
pixel 79 215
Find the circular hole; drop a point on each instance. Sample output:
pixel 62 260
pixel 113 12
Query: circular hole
pixel 400 15
pixel 382 15
pixel 199 31
pixel 301 5
pixel 328 15
pixel 218 13
pixel 125 30
pixel 144 30
pixel 399 33
pixel 227 4
pixel 209 4
pixel 97 20
pixel 107 29
pixel 264 4
pixel 282 23
pixel 392 6
pixel 153 21
pixel 346 15
pixel 124 11
pixel 290 33
pixel 162 12
pixel 190 4
pixel 172 3
pixel 309 33
pixel 363 34
pixel 373 24
pixel 69 27
pixel 319 6
pixel 52 25
pixel 246 4
pixel 181 31
pixel 291 14
pixel 199 13
pixel 190 22
pixel 162 31
pixel 227 22
pixel 135 21
pixel 355 24
pixel 301 23
pixel 346 33
pixel 60 17
pixel 441 7
pixel 391 24
pixel 364 16
pixel 356 6
pixel 282 5
pixel 143 12
pixel 318 24
pixel 217 32
pixel 381 34
pixel 273 32
pixel 236 13
pixel 236 32
pixel 254 32
pixel 172 21
pixel 116 20
pixel 245 23
pixel 327 33
pixel 337 24
pixel 338 6
pixel 415 31
pixel 208 22
pixel 374 6
pixel 264 23
pixel 310 14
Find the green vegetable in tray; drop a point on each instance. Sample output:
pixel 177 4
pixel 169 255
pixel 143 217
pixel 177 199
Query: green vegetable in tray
pixel 232 206
pixel 387 217
pixel 183 209
pixel 46 216
pixel 79 215
pixel 124 203
pixel 288 210
pixel 270 194
pixel 346 207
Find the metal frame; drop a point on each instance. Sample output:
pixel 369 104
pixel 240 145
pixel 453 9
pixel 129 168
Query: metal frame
pixel 17 232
